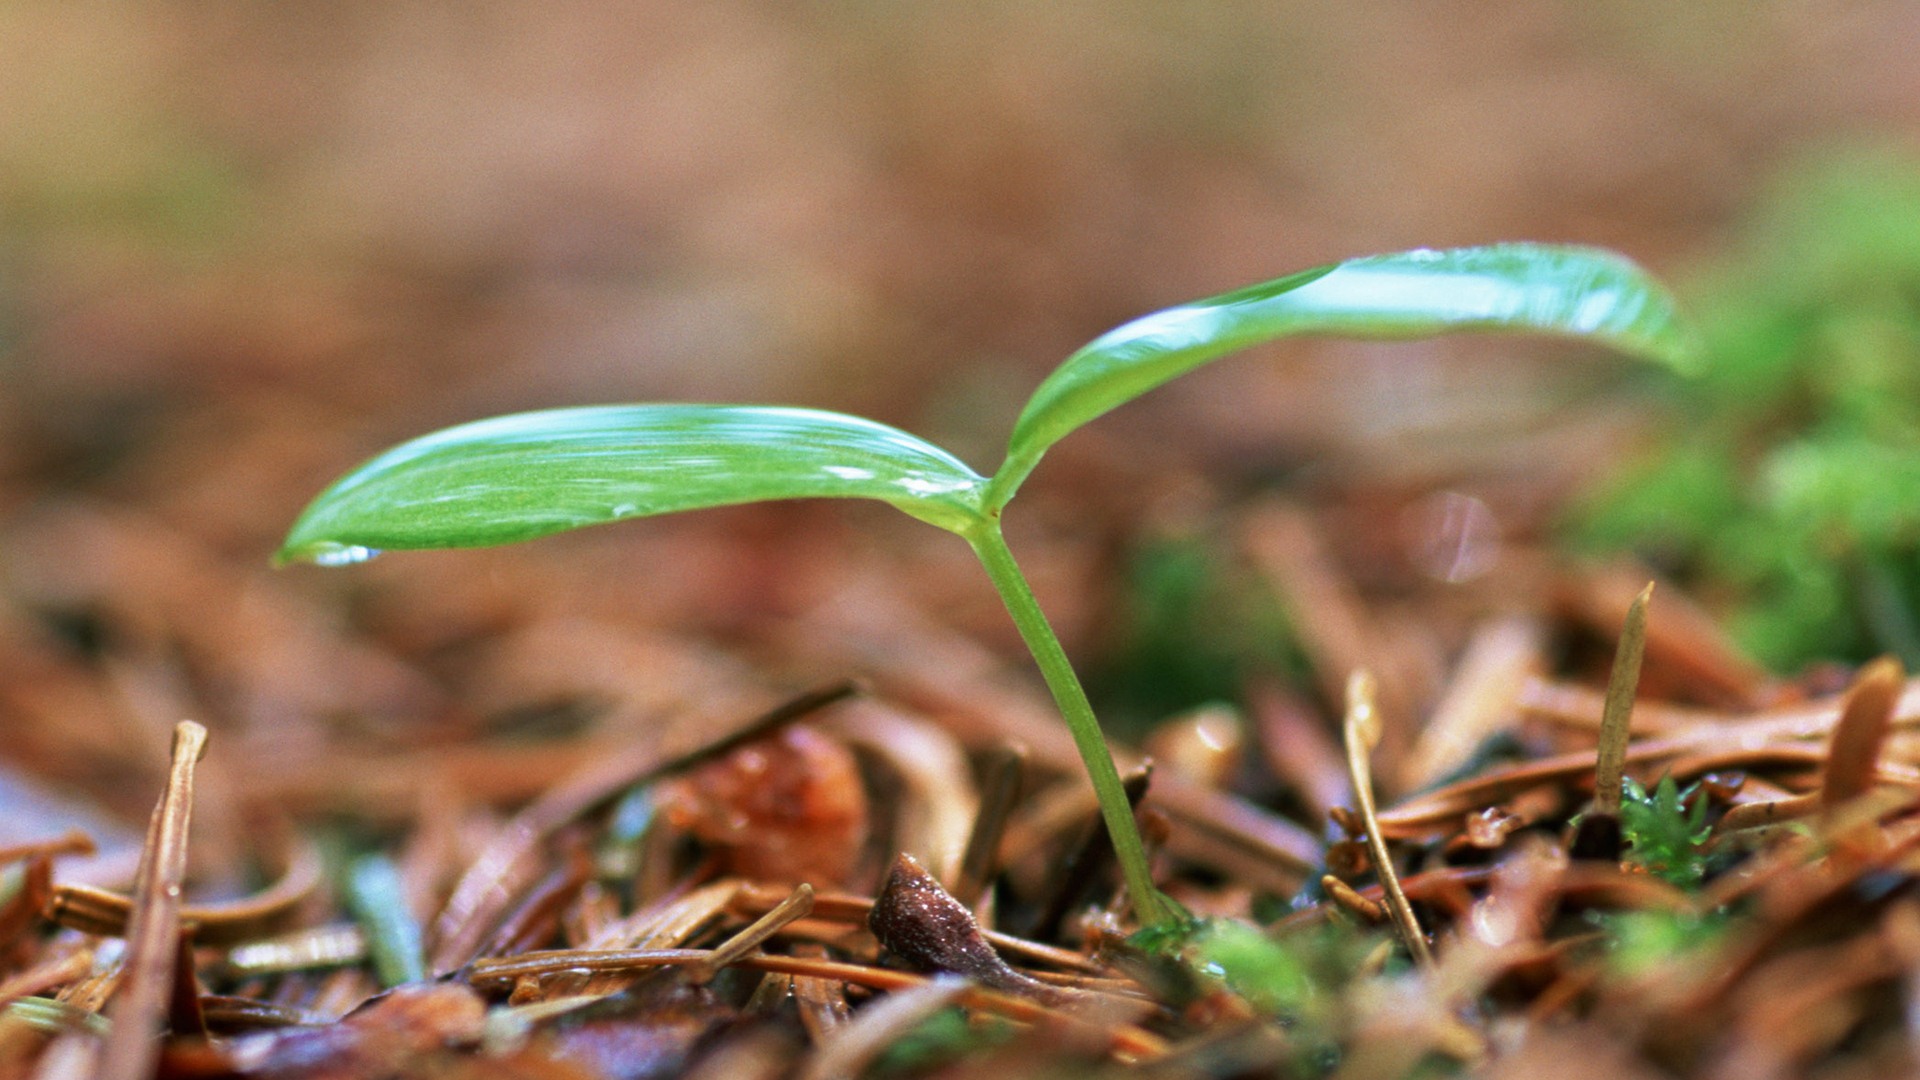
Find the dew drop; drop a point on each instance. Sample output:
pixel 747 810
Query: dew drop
pixel 343 554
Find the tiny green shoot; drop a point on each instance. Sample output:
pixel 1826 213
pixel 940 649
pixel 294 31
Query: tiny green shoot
pixel 518 477
pixel 1664 835
pixel 1597 835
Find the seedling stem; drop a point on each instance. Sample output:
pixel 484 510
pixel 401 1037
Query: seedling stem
pixel 1149 905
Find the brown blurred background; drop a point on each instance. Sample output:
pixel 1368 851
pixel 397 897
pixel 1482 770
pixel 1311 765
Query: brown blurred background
pixel 245 246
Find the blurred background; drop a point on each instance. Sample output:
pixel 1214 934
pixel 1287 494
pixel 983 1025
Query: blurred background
pixel 243 247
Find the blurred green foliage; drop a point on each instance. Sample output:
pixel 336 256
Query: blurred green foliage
pixel 940 1040
pixel 1190 629
pixel 1789 487
pixel 1646 942
pixel 1300 980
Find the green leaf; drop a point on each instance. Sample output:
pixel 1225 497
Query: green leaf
pixel 1571 291
pixel 531 474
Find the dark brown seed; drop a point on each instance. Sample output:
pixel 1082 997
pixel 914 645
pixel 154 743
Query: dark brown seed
pixel 921 923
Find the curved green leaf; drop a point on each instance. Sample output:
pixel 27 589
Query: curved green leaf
pixel 1578 292
pixel 517 477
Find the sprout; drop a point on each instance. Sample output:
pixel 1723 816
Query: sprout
pixel 518 477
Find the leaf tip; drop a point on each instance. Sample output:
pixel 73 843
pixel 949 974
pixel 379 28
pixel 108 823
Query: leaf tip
pixel 321 553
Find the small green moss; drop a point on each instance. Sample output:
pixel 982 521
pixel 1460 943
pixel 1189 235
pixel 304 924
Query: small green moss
pixel 1664 836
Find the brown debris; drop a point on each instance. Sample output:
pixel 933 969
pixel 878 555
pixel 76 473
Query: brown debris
pixel 509 865
pixel 788 808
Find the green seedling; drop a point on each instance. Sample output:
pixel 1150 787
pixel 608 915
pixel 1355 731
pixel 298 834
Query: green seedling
pixel 518 477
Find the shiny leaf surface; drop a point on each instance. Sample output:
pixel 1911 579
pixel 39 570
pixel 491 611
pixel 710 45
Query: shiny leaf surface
pixel 1575 292
pixel 527 475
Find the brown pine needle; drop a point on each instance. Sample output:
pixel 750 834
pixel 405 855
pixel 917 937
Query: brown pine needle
pixel 1362 729
pixel 72 842
pixel 102 911
pixel 153 934
pixel 795 906
pixel 1347 897
pixel 1126 1039
pixel 1756 815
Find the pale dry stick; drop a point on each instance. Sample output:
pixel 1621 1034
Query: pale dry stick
pixel 754 935
pixel 667 923
pixel 856 1045
pixel 1362 735
pixel 153 934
